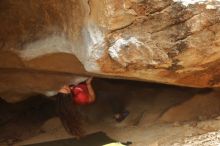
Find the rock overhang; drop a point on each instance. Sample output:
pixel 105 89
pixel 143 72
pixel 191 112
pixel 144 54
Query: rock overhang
pixel 172 42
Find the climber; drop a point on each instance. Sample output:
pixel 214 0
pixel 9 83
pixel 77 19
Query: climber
pixel 69 97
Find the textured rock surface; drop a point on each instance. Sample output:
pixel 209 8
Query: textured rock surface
pixel 166 42
pixel 201 107
pixel 208 139
pixel 161 41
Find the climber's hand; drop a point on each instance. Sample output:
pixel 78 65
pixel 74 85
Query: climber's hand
pixel 88 81
pixel 65 89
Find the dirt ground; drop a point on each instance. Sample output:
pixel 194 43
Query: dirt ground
pixel 160 115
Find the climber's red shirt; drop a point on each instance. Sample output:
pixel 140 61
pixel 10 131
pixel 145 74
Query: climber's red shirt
pixel 80 94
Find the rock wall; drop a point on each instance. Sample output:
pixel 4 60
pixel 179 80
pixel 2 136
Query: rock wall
pixel 35 50
pixel 163 41
pixel 170 41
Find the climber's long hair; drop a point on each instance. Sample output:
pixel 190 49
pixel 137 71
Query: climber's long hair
pixel 69 114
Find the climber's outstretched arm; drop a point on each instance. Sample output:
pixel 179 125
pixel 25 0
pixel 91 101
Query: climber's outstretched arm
pixel 91 91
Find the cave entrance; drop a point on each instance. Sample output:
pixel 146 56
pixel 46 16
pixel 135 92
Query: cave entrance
pixel 157 113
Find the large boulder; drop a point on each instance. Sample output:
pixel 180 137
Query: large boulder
pixel 167 41
pixel 170 41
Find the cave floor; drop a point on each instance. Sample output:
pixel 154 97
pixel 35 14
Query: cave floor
pixel 95 139
pixel 158 116
pixel 205 133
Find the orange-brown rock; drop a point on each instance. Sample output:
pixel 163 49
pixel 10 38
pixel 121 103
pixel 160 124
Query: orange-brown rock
pixel 151 40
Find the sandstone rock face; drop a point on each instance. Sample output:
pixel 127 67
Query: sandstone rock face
pixel 164 41
pixel 170 41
